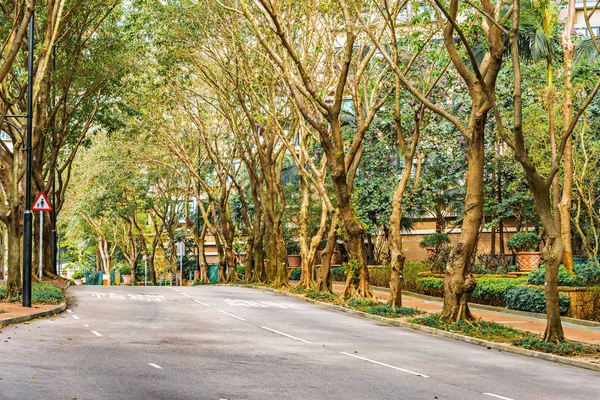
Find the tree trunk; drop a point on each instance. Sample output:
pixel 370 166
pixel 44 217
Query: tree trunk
pixel 14 257
pixel 324 283
pixel 458 283
pixel 567 194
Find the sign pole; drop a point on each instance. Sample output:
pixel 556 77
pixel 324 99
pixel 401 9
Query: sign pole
pixel 41 246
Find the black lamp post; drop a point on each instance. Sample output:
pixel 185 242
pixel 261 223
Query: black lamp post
pixel 28 215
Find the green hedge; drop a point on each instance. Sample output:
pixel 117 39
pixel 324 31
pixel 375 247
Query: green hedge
pixel 380 276
pixel 532 299
pixel 488 291
pixel 538 277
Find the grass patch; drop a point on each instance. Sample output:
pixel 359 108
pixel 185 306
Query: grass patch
pixel 562 349
pixel 383 310
pixel 361 302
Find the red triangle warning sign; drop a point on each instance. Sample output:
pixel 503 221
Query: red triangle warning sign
pixel 41 203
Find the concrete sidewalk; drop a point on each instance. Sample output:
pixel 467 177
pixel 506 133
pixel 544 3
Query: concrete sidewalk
pixel 531 324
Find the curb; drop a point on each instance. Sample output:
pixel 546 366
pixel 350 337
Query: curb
pixel 475 306
pixel 22 318
pixel 441 333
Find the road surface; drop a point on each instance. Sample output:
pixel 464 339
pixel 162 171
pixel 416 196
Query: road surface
pixel 222 342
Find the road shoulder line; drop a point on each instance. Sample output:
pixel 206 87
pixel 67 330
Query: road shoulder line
pixel 440 333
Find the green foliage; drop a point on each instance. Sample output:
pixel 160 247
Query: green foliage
pixel 563 349
pixel 45 293
pixel 538 277
pixel 589 273
pixel 410 274
pixel 362 302
pixel 3 292
pixel 531 299
pixel 313 294
pixel 434 240
pixel 77 274
pixel 478 329
pixel 198 282
pixel 380 276
pixel 384 310
pixel 440 251
pixel 292 247
pixel 352 267
pixel 296 274
pixel 338 274
pixel 491 290
pixel 488 291
pixel 241 271
pixel 124 270
pixel 523 241
pixel 430 285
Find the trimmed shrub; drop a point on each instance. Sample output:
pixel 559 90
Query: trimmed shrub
pixel 538 277
pixel 589 272
pixel 488 291
pixel 380 276
pixel 313 294
pixel 491 291
pixel 77 274
pixel 532 299
pixel 296 274
pixel 431 286
pixel 523 241
pixel 410 274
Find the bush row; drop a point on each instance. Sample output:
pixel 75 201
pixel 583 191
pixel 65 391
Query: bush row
pixel 585 275
pixel 503 292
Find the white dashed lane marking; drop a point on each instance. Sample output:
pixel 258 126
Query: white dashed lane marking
pixel 186 295
pixel 69 311
pixel 231 315
pixel 96 333
pixel 86 325
pixel 498 397
pixel 386 365
pixel 75 317
pixel 286 335
pixel 204 304
pixel 155 366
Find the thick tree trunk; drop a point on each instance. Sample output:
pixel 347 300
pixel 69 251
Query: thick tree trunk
pixel 324 283
pixel 458 283
pixel 13 282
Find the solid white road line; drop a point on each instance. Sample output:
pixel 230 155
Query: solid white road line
pixel 386 365
pixel 231 315
pixel 204 304
pixel 155 366
pixel 75 316
pixel 498 397
pixel 286 335
pixel 96 333
pixel 186 295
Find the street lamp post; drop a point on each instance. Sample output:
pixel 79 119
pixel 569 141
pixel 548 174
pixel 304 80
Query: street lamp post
pixel 28 215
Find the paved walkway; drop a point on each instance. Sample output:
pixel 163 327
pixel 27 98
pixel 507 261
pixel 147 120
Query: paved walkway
pixel 530 324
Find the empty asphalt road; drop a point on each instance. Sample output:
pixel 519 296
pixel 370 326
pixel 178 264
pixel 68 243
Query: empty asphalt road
pixel 221 342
